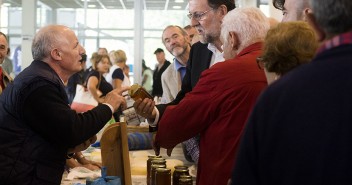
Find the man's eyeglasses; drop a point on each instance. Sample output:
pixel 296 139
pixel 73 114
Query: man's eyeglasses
pixel 260 62
pixel 197 16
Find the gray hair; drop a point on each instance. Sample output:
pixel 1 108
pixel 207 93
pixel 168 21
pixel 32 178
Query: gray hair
pixel 183 31
pixel 334 17
pixel 46 40
pixel 250 25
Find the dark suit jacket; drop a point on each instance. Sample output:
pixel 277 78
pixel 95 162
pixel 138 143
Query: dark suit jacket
pixel 157 88
pixel 199 60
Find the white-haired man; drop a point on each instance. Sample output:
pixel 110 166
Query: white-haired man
pixel 218 106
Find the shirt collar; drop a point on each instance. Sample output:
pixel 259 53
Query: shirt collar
pixel 213 48
pixel 178 65
pixel 342 39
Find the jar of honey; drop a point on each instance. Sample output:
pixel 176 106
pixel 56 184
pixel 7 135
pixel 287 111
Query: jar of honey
pixel 185 181
pixel 163 176
pixel 149 163
pixel 153 172
pixel 136 91
pixel 177 174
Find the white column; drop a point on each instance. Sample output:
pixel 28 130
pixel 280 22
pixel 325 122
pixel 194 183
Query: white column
pixel 0 11
pixel 28 30
pixel 138 40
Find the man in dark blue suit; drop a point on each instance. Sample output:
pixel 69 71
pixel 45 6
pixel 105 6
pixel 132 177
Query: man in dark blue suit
pixel 300 131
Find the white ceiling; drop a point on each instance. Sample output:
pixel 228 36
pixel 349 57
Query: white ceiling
pixel 109 4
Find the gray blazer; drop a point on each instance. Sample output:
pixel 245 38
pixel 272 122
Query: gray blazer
pixel 171 83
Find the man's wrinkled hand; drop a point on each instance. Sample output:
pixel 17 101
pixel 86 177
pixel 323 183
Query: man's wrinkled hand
pixel 115 98
pixel 145 108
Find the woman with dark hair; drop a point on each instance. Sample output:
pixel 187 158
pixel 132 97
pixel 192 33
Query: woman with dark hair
pixel 287 46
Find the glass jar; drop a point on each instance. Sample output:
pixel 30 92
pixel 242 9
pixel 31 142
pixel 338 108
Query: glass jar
pixel 137 91
pixel 153 172
pixel 163 176
pixel 149 163
pixel 177 173
pixel 185 181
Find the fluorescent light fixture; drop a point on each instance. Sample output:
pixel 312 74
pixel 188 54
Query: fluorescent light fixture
pixel 6 4
pixel 176 7
pixel 179 1
pixel 92 6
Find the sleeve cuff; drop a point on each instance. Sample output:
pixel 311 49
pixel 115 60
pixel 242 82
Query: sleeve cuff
pixel 156 120
pixel 111 108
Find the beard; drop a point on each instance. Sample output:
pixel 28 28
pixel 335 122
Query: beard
pixel 178 50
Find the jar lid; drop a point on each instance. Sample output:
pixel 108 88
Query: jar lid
pixel 181 167
pixel 185 180
pixel 154 156
pixel 182 170
pixel 163 170
pixel 158 161
pixel 158 166
pixel 185 177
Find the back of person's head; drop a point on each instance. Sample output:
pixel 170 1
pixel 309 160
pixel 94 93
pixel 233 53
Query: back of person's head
pixel 249 23
pixel 119 56
pixel 46 39
pixel 333 17
pixel 99 58
pixel 230 4
pixel 288 45
pixel 143 64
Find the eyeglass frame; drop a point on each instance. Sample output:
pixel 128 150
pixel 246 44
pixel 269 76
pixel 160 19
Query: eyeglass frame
pixel 198 16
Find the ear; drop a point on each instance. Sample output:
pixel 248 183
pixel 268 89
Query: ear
pixel 233 39
pixel 56 54
pixel 318 30
pixel 223 11
pixel 305 13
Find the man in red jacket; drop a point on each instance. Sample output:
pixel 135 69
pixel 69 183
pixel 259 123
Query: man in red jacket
pixel 222 100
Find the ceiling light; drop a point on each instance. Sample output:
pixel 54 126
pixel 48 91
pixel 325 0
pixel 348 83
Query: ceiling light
pixel 92 6
pixel 179 1
pixel 6 4
pixel 176 7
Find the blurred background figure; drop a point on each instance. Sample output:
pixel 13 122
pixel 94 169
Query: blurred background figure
pixel 96 82
pixel 103 51
pixel 7 65
pixel 159 69
pixel 147 77
pixel 287 46
pixel 192 33
pixel 116 76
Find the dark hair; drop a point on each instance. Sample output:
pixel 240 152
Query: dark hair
pixel 279 4
pixel 331 15
pixel 288 45
pixel 230 4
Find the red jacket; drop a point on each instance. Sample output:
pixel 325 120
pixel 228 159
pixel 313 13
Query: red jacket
pixel 217 108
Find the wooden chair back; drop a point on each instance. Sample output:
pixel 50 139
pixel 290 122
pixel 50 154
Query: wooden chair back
pixel 114 152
